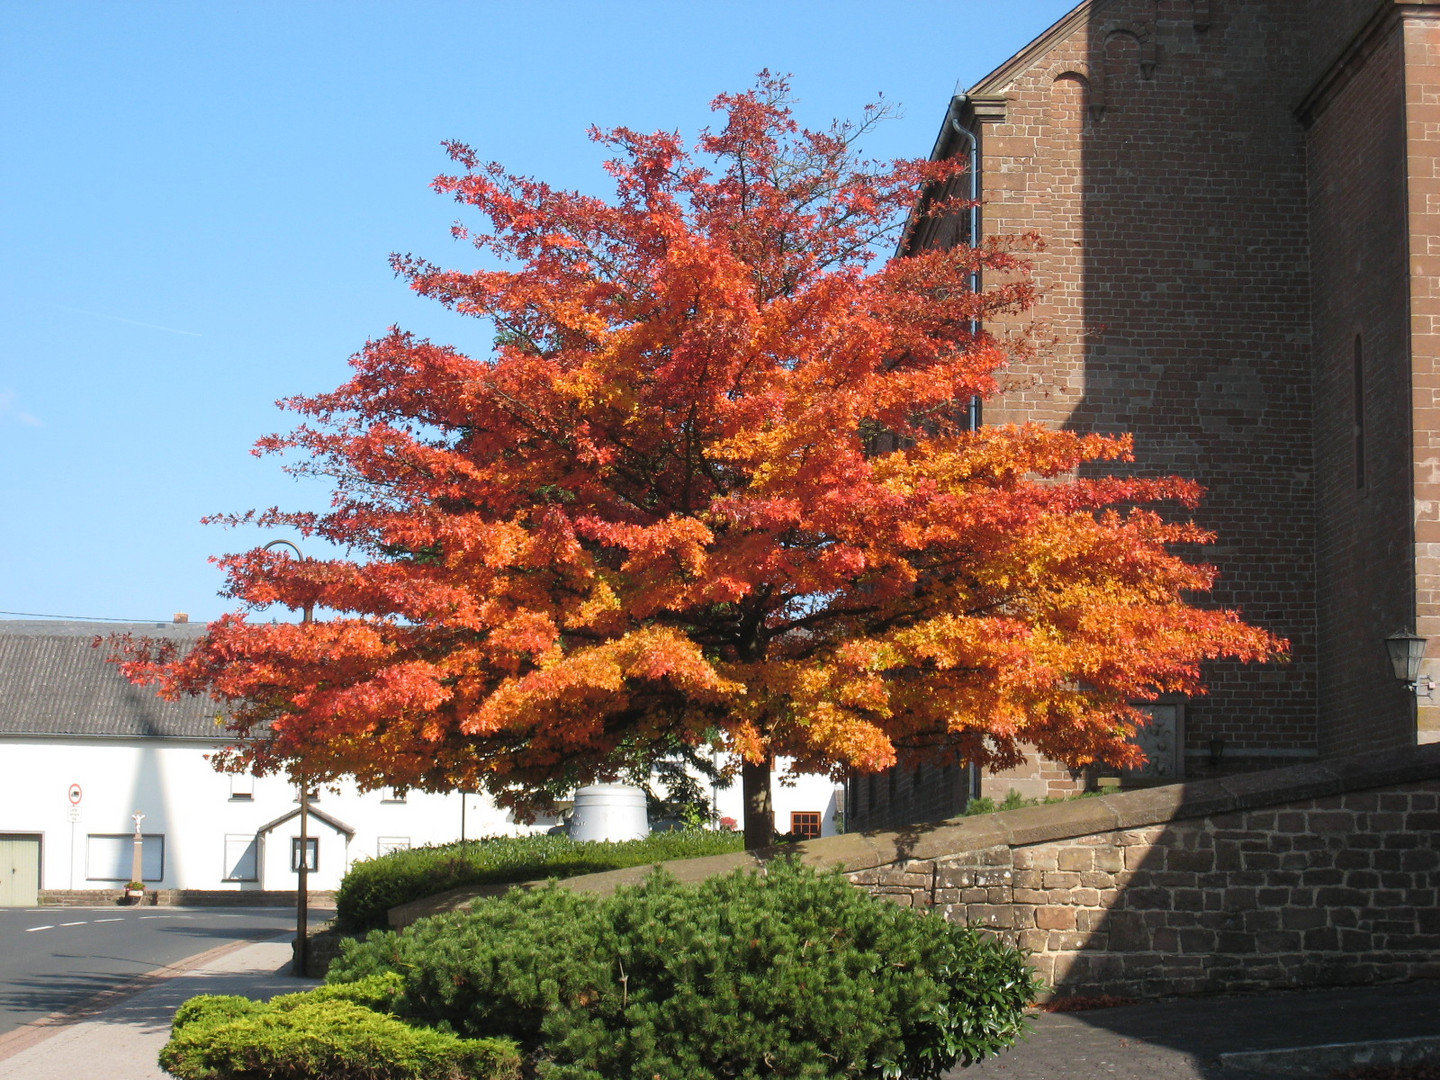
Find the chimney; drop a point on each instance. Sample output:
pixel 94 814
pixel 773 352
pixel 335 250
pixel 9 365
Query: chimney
pixel 180 617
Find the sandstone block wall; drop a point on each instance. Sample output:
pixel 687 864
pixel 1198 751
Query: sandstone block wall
pixel 1304 890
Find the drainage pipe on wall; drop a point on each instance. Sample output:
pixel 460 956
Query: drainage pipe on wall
pixel 973 409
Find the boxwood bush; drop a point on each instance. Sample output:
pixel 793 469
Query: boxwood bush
pixel 333 1033
pixel 373 886
pixel 790 974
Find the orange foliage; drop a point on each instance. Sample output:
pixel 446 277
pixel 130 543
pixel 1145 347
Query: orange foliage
pixel 712 484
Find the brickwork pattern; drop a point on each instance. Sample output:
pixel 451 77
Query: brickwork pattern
pixel 1356 149
pixel 1161 164
pixel 1333 890
pixel 1421 29
pixel 1333 25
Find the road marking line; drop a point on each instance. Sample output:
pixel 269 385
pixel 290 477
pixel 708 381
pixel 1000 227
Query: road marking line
pixel 109 920
pixel 82 922
pixel 32 929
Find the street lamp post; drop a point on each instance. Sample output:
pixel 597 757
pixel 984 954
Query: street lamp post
pixel 302 890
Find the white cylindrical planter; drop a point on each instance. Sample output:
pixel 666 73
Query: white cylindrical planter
pixel 609 812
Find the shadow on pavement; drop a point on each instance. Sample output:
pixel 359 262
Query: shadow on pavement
pixel 1183 1038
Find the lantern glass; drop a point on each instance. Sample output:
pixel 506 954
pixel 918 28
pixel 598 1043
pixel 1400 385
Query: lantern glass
pixel 1406 653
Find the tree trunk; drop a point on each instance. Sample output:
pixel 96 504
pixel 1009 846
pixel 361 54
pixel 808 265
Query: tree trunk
pixel 759 810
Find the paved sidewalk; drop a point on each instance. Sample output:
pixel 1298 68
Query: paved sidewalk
pixel 118 1035
pixel 1205 1038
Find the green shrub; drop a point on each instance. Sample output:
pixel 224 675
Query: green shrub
pixel 210 1009
pixel 788 975
pixel 373 886
pixel 321 1035
pixel 377 992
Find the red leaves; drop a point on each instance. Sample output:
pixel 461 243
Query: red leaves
pixel 711 484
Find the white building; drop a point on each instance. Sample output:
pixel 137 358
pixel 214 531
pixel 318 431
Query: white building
pixel 83 750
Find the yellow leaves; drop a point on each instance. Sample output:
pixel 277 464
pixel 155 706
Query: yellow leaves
pixel 997 456
pixel 652 664
pixel 597 610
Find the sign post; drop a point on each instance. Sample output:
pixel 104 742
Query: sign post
pixel 73 793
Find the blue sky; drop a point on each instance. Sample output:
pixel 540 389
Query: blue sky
pixel 201 198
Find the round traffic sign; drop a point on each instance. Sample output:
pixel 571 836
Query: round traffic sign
pixel 74 794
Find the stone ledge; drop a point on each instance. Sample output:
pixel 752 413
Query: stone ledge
pixel 1132 809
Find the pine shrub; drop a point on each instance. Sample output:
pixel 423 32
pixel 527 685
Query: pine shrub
pixel 792 974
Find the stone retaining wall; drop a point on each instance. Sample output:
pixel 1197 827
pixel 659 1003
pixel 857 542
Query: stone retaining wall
pixel 1340 889
pixel 182 898
pixel 1308 876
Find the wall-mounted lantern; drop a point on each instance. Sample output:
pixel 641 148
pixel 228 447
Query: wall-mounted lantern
pixel 1217 751
pixel 1406 653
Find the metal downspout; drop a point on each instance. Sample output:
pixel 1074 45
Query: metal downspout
pixel 973 416
pixel 973 409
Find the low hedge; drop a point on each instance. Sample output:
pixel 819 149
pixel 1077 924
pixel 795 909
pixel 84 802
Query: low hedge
pixel 790 974
pixel 372 887
pixel 332 1033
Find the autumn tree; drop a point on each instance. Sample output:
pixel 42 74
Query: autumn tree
pixel 710 486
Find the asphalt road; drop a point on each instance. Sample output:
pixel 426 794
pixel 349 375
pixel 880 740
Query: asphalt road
pixel 54 958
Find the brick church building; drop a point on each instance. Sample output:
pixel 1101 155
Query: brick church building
pixel 1240 204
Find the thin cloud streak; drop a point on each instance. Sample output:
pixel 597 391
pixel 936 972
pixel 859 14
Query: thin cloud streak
pixel 130 322
pixel 8 410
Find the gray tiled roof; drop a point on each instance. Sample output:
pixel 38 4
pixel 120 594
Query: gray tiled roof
pixel 53 682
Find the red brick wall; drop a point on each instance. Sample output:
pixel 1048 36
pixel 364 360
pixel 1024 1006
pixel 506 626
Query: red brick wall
pixel 1422 130
pixel 1177 294
pixel 1357 159
pixel 1333 24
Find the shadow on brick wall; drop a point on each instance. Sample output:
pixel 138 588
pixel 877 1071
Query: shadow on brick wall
pixel 1310 876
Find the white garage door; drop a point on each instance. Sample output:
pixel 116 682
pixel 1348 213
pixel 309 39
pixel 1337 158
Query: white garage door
pixel 19 871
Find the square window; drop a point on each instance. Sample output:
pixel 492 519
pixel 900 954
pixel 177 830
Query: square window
pixel 242 787
pixel 312 853
pixel 805 823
